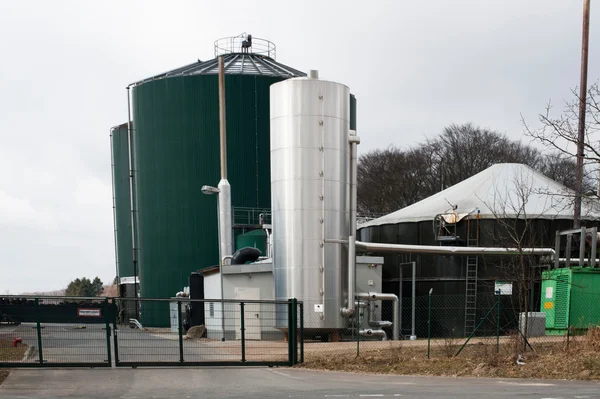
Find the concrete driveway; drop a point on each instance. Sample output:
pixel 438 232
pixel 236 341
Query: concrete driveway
pixel 272 383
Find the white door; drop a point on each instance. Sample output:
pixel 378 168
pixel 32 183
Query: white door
pixel 251 312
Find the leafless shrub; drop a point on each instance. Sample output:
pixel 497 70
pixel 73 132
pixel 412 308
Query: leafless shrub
pixel 450 345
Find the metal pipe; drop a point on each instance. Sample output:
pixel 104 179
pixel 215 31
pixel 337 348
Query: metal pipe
pixel 582 245
pixel 222 120
pixel 585 37
pixel 374 333
pixel 594 245
pixel 414 300
pixel 557 248
pixel 269 244
pixel 376 296
pixel 432 249
pixel 132 201
pixel 361 304
pixel 349 310
pixel 224 196
pixel 572 261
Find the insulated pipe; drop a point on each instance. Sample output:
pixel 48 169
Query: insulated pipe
pixel 349 310
pixel 374 333
pixel 222 120
pixel 376 296
pixel 432 249
pixel 225 234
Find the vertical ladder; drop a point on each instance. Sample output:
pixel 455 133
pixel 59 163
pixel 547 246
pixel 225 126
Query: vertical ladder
pixel 471 293
pixel 471 278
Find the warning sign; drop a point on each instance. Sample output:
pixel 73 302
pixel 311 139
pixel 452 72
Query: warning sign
pixel 548 305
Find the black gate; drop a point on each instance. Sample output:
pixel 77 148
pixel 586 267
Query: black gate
pixel 56 331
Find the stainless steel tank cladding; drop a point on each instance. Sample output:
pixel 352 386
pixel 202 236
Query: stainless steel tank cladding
pixel 310 121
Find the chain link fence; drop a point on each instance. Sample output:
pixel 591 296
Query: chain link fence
pixel 438 329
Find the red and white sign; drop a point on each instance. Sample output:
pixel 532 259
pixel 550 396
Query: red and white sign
pixel 89 313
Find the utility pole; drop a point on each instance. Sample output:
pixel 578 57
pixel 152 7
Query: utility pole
pixel 582 109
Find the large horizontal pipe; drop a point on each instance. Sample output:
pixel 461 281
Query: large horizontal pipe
pixel 577 260
pixel 432 249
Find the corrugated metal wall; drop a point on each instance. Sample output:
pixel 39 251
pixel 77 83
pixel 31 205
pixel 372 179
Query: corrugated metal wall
pixel 176 151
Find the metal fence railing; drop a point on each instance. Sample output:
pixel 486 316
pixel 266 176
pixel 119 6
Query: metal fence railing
pixel 73 332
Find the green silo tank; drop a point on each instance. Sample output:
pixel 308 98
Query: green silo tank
pixel 119 143
pixel 176 152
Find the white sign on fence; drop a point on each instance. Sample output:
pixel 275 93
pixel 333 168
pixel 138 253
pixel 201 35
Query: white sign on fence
pixel 503 288
pixel 88 312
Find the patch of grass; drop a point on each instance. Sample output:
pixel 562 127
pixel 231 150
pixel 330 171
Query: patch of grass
pixel 479 360
pixel 9 353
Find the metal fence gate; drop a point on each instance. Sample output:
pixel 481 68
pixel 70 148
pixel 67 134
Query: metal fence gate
pixel 233 333
pixel 56 331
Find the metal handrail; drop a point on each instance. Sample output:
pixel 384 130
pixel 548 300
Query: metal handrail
pixel 228 45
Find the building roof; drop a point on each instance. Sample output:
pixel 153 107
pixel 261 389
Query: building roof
pixel 234 64
pixel 507 190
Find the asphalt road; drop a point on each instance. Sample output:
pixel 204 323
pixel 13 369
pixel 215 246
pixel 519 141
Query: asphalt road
pixel 272 383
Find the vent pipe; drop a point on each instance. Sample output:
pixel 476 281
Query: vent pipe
pixel 353 141
pixel 225 234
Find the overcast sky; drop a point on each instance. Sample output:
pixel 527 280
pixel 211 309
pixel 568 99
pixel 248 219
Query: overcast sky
pixel 415 67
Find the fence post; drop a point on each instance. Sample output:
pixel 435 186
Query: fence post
pixel 107 326
pixel 301 332
pixel 357 328
pixel 39 330
pixel 498 325
pixel 569 320
pixel 243 331
pixel 295 325
pixel 429 324
pixel 180 331
pixel 290 336
pixel 116 338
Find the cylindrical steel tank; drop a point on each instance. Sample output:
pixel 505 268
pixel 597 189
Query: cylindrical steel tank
pixel 310 121
pixel 119 143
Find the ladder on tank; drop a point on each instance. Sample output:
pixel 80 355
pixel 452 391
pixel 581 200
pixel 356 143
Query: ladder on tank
pixel 471 279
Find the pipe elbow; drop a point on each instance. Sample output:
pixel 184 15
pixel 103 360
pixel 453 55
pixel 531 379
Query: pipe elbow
pixel 349 311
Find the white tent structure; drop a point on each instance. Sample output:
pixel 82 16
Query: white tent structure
pixel 507 190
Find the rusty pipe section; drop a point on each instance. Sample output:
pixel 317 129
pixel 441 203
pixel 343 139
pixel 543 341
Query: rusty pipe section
pixel 432 249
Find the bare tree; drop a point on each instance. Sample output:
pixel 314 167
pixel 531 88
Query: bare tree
pixel 559 134
pixel 390 179
pixel 517 228
pixel 394 178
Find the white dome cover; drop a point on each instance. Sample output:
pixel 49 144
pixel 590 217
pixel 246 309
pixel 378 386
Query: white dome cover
pixel 506 190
